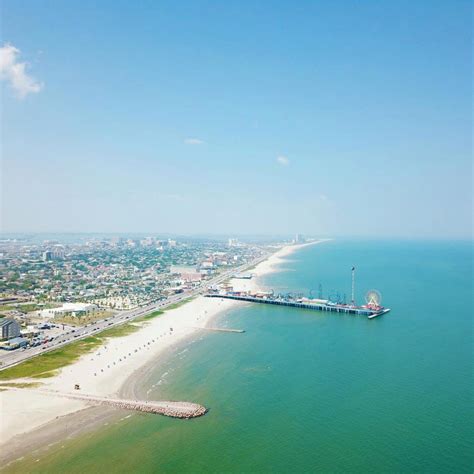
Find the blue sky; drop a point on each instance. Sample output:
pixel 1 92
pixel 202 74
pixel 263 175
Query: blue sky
pixel 326 118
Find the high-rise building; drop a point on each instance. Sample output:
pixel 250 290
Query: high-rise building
pixel 57 252
pixel 147 242
pixel 47 256
pixel 299 239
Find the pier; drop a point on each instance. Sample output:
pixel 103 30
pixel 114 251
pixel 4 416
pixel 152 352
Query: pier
pixel 240 331
pixel 335 308
pixel 172 409
pixel 371 309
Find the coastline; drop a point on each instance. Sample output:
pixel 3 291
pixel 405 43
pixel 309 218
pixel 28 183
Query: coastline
pixel 32 421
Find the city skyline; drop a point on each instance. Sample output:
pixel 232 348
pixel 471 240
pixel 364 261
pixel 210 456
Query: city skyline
pixel 324 119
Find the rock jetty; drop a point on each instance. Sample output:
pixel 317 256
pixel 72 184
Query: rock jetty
pixel 166 408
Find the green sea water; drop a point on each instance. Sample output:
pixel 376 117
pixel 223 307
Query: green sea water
pixel 303 391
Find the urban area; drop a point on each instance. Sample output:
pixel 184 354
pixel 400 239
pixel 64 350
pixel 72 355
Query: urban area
pixel 49 288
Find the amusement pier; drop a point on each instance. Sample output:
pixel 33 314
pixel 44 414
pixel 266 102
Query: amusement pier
pixel 371 309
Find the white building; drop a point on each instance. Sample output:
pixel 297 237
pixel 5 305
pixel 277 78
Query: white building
pixel 58 252
pixel 73 309
pixel 179 269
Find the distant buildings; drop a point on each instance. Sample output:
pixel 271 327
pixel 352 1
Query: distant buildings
pixel 118 273
pixel 243 276
pixel 132 243
pixel 299 239
pixel 147 242
pixel 116 242
pixel 9 328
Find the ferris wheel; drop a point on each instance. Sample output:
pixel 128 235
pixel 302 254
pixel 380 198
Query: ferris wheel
pixel 373 298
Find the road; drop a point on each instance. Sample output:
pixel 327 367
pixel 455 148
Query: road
pixel 15 357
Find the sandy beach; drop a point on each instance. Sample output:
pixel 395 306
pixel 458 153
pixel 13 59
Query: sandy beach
pixel 104 371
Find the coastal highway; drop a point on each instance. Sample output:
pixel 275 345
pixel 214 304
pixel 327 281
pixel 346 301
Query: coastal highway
pixel 9 359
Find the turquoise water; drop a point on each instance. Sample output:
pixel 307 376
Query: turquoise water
pixel 303 391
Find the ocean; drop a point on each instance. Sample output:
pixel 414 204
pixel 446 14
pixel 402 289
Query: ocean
pixel 303 391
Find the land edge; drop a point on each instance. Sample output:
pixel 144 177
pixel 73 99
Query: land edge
pixel 37 441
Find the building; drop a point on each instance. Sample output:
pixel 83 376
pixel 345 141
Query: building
pixel 180 269
pixel 58 252
pixel 147 242
pixel 47 256
pixel 189 277
pixel 243 276
pixel 14 343
pixel 133 243
pixel 9 328
pixel 73 309
pixel 117 241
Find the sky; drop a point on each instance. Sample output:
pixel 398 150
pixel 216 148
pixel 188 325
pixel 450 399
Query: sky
pixel 325 118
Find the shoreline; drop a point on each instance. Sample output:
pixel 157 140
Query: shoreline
pixel 114 368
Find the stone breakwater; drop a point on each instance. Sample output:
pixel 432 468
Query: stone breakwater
pixel 166 408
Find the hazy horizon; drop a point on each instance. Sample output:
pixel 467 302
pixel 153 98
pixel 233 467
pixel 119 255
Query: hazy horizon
pixel 320 118
pixel 225 236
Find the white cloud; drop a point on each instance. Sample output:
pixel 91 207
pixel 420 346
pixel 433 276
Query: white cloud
pixel 193 141
pixel 15 73
pixel 283 160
